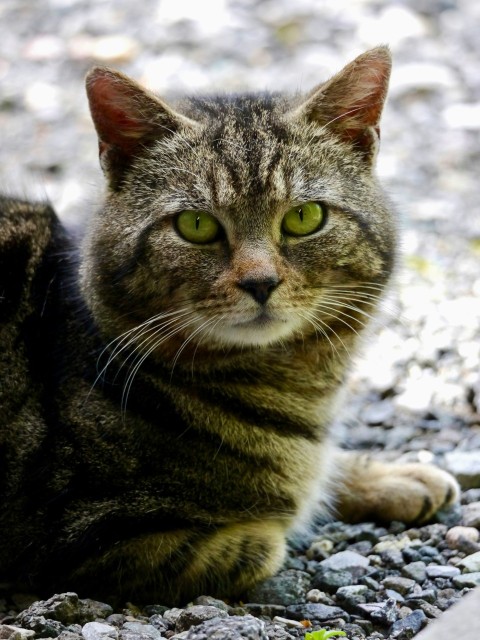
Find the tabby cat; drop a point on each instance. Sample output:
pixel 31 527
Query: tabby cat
pixel 165 399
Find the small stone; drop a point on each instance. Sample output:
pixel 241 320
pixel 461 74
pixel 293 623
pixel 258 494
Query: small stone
pixel 117 619
pixel 99 631
pixel 471 564
pixel 171 615
pixel 278 632
pixel 462 538
pixel 264 610
pixel 10 632
pixel 471 515
pixel 330 581
pixel 392 558
pixel 319 549
pixel 195 615
pixel 346 561
pixel 407 627
pixel 212 602
pixel 159 623
pixel 350 597
pixel 378 412
pixel 394 595
pixel 383 613
pixel 467 580
pixel 315 595
pixel 294 624
pixel 316 612
pixel 285 588
pixel 402 585
pixel 139 631
pixel 233 627
pixel 465 466
pixel 416 571
pixel 442 571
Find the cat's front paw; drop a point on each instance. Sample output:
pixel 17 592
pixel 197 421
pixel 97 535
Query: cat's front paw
pixel 406 492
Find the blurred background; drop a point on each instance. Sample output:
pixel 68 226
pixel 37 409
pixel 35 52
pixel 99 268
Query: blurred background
pixel 421 373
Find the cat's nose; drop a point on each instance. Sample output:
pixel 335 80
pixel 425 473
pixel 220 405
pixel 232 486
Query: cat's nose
pixel 259 288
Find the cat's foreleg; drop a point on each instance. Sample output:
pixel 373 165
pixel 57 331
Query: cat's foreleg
pixel 373 490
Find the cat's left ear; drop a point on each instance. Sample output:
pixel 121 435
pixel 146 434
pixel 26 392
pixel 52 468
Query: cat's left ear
pixel 127 118
pixel 350 104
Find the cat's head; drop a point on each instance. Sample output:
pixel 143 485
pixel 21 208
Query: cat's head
pixel 239 220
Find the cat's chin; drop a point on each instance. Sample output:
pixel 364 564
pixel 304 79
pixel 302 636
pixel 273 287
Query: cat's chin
pixel 258 332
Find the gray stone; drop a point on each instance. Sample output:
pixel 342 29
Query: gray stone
pixel 442 571
pixel 285 588
pixel 471 563
pixel 345 560
pixel 383 613
pixel 233 628
pixel 350 597
pixel 64 608
pixel 465 466
pixel 407 627
pixel 469 580
pixel 416 571
pixel 278 632
pixel 330 581
pixel 10 632
pixel 99 631
pixel 171 615
pixel 317 612
pixel 471 515
pixel 139 631
pixel 402 585
pixel 211 602
pixel 195 615
pixel 462 538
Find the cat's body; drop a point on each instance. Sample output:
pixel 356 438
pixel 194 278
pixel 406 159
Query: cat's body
pixel 165 408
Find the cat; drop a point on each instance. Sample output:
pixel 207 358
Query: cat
pixel 166 398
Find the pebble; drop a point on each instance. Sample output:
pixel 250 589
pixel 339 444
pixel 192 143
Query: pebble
pixel 330 581
pixel 10 632
pixel 350 561
pixel 469 580
pixel 287 587
pixel 407 627
pixel 465 466
pixel 402 585
pixel 471 563
pixel 315 612
pixel 471 515
pixel 415 570
pixel 462 538
pixel 197 614
pixel 233 627
pixel 439 571
pixel 383 613
pixel 99 631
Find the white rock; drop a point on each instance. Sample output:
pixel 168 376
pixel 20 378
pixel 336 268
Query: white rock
pixel 471 563
pixel 99 631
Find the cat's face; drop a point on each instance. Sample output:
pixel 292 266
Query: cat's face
pixel 244 221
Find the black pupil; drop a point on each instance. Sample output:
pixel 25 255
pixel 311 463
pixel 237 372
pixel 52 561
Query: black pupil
pixel 300 214
pixel 197 222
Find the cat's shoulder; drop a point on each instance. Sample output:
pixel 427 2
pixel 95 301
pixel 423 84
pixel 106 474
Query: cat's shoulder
pixel 28 231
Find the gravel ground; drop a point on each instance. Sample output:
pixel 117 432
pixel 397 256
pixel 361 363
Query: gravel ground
pixel 416 390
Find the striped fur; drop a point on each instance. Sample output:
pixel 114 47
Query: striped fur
pixel 162 430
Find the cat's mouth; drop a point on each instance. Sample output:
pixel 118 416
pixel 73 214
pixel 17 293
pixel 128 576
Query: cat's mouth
pixel 263 328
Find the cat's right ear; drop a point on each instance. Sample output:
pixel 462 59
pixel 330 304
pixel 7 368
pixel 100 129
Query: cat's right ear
pixel 127 118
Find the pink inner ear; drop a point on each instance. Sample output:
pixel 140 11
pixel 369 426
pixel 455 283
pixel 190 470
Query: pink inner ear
pixel 115 112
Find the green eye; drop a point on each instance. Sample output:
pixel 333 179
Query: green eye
pixel 198 227
pixel 304 219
